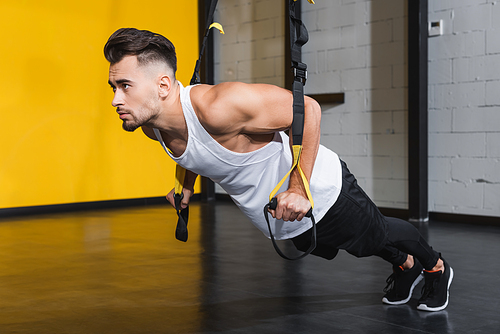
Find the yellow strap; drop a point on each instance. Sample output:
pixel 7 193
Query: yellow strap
pixel 310 1
pixel 297 150
pixel 180 172
pixel 217 26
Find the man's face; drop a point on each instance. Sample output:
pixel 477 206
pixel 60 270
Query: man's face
pixel 136 96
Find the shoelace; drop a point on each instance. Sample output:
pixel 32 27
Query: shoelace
pixel 429 287
pixel 390 283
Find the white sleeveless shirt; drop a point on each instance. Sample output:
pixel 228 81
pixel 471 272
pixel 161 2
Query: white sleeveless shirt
pixel 249 178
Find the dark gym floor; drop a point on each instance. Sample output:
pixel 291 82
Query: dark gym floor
pixel 122 271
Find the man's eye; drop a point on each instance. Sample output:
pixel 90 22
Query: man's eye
pixel 126 86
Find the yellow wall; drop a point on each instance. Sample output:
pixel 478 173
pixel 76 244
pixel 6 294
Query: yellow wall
pixel 61 140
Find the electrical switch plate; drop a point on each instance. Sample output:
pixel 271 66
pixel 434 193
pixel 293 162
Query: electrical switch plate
pixel 435 28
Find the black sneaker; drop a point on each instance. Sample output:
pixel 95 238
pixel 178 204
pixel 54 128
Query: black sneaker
pixel 436 291
pixel 401 283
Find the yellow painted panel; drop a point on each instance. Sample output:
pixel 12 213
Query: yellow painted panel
pixel 62 141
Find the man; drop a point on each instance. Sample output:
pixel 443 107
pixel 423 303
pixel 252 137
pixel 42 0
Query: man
pixel 233 134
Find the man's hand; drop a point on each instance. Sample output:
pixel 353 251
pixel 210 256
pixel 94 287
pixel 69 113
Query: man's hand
pixel 291 206
pixel 185 200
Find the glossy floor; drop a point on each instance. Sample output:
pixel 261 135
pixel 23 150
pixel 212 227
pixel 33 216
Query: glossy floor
pixel 122 271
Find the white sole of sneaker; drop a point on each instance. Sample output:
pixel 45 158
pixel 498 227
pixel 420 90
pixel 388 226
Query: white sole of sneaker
pixel 404 301
pixel 423 307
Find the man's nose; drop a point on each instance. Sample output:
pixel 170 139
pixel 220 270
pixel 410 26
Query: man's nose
pixel 117 100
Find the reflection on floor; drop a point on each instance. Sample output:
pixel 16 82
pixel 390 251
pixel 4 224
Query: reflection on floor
pixel 122 271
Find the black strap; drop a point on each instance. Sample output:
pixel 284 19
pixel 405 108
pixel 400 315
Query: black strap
pixel 196 75
pixel 298 37
pixel 181 231
pixel 272 205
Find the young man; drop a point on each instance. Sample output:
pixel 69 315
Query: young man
pixel 233 134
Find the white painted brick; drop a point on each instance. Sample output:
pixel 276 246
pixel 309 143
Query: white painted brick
pixel 378 32
pixel 381 77
pixel 310 19
pixel 361 167
pixel 495 14
pixel 393 53
pixel 382 122
pixel 244 32
pixel 262 68
pixel 354 79
pixel 330 123
pixel 279 68
pixel 386 145
pixel 340 16
pixel 399 76
pixel 400 122
pixel 354 101
pixel 348 37
pixel 268 9
pixel 362 123
pixel 264 29
pixel 476 119
pixel 382 167
pixel 492 93
pixel 455 195
pixel 476 170
pixel 387 99
pixel 385 9
pixel 491 196
pixel 244 69
pixel 400 29
pixel 311 60
pixel 457 144
pixel 439 169
pixel 231 13
pixel 472 18
pixel 440 120
pixel 400 168
pixel 271 47
pixel 492 71
pixel 492 40
pixel 468 69
pixel 459 45
pixel 237 52
pixel 322 62
pixel 389 191
pixel 493 145
pixel 343 144
pixel 346 58
pixel 326 82
pixel 440 71
pixel 323 40
pixel 449 4
pixel 459 95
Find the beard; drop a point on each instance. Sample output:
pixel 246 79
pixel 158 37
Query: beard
pixel 147 113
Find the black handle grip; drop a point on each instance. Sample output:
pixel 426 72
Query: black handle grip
pixel 273 204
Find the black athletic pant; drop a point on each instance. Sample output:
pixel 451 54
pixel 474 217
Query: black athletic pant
pixel 355 224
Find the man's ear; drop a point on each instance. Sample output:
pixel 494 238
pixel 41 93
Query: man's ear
pixel 165 86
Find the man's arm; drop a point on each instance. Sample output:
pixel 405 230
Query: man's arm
pixel 231 109
pixel 293 204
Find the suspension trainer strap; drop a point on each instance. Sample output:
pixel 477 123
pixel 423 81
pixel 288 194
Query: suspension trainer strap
pixel 298 37
pixel 181 232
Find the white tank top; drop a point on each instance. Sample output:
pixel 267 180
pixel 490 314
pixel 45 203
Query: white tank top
pixel 250 177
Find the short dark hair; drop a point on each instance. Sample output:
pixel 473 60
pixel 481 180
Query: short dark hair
pixel 147 46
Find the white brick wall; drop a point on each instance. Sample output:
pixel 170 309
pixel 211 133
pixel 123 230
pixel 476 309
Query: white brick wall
pixel 359 47
pixel 364 44
pixel 252 49
pixel 464 103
